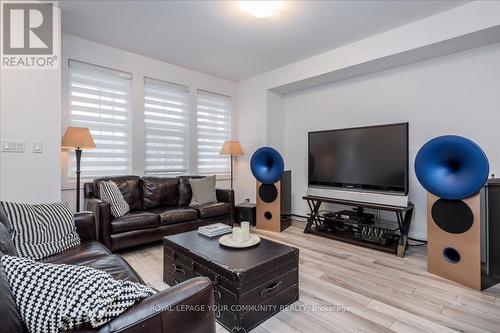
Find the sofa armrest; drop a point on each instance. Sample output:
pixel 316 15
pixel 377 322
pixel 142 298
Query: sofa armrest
pixel 103 217
pixel 186 307
pixel 85 226
pixel 226 195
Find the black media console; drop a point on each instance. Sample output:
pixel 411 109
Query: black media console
pixel 315 224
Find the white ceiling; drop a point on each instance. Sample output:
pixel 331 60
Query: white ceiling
pixel 216 38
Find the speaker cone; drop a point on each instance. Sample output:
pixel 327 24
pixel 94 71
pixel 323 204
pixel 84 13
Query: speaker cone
pixel 268 193
pixel 453 216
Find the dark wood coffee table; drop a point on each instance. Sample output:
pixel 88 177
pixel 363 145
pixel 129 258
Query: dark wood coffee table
pixel 250 285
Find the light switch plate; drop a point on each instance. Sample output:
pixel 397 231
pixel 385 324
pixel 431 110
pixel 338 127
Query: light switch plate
pixel 37 147
pixel 13 146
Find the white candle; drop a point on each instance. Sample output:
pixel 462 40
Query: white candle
pixel 245 228
pixel 238 235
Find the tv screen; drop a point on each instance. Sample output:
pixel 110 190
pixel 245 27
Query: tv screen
pixel 371 158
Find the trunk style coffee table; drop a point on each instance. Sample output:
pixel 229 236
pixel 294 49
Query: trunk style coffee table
pixel 250 285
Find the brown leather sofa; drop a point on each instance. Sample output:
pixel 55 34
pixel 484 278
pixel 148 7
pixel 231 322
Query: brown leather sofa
pixel 159 206
pixel 167 311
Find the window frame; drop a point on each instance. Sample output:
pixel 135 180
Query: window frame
pixel 69 180
pixel 187 143
pixel 136 114
pixel 223 175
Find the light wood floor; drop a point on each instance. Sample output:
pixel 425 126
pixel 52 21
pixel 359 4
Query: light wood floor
pixel 381 292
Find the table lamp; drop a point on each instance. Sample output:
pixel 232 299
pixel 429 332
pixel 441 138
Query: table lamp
pixel 231 148
pixel 78 138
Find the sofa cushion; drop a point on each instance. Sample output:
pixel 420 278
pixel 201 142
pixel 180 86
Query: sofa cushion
pixel 80 254
pixel 171 215
pixel 6 244
pixel 184 192
pixel 135 221
pixel 11 318
pixel 159 191
pixel 4 219
pixel 115 266
pixel 213 209
pixel 130 186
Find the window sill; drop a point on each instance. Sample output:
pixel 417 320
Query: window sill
pixel 218 176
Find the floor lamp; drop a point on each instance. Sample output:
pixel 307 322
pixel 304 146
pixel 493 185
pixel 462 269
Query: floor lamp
pixel 231 148
pixel 78 138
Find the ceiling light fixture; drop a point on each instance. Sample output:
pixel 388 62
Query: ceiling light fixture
pixel 261 9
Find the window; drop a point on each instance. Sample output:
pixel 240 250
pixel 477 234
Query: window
pixel 100 100
pixel 166 110
pixel 213 128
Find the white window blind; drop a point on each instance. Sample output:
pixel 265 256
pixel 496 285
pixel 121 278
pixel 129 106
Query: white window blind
pixel 213 128
pixel 100 100
pixel 166 110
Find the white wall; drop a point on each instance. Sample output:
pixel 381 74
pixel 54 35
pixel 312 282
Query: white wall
pixel 264 120
pixel 140 66
pixel 30 110
pixel 456 94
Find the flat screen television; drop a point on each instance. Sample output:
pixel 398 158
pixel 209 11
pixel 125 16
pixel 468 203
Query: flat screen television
pixel 372 159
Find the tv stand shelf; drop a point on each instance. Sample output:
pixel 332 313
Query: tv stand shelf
pixel 403 214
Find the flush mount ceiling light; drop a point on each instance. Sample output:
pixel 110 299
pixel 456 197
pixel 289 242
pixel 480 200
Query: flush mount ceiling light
pixel 261 9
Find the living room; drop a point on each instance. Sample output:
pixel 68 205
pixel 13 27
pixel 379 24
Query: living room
pixel 263 166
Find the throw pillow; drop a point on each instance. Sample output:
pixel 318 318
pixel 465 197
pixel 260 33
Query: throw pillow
pixel 203 191
pixel 111 194
pixel 55 297
pixel 39 231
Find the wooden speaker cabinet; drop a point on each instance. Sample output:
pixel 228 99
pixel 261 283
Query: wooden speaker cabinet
pixel 269 206
pixel 454 239
pixel 462 237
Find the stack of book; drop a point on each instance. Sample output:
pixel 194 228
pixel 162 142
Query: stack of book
pixel 214 229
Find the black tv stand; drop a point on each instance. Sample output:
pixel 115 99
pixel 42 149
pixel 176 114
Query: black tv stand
pixel 403 214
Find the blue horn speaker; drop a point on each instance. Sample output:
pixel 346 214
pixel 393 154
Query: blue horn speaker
pixel 267 165
pixel 451 167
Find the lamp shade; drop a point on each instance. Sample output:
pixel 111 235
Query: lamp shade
pixel 231 148
pixel 77 138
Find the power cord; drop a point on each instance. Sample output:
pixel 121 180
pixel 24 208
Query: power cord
pixel 419 241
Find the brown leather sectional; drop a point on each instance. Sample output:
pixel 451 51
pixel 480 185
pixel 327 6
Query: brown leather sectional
pixel 159 206
pixel 167 311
